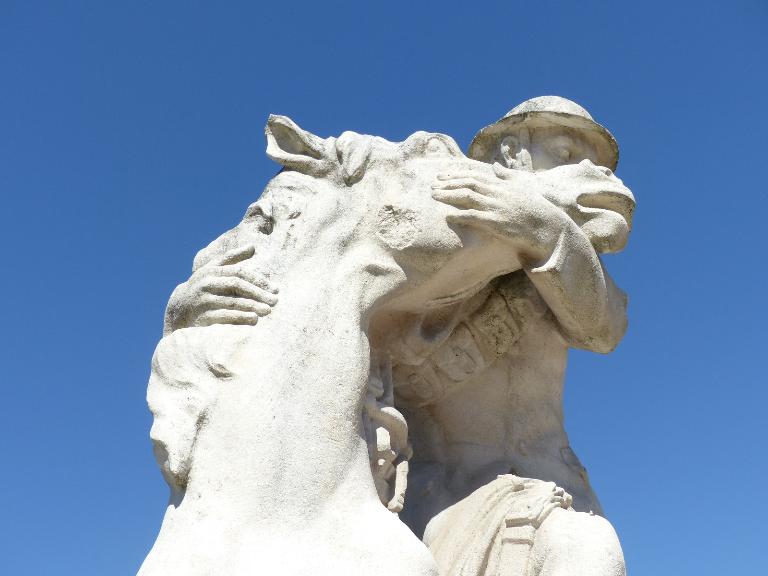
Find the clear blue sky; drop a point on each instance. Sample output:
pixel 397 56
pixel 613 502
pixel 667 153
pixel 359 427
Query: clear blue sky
pixel 131 134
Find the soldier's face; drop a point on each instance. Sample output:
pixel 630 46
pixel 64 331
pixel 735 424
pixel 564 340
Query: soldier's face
pixel 552 147
pixel 544 148
pixel 603 214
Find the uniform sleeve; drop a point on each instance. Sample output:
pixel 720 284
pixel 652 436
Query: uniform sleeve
pixel 589 307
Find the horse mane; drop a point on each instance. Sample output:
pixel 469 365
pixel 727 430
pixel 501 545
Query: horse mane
pixel 342 161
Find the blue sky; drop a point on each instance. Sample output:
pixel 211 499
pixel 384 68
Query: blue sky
pixel 131 134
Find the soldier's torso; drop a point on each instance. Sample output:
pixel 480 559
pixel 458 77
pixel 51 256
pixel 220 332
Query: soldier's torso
pixel 488 401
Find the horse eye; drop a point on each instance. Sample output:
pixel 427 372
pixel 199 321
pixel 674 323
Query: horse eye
pixel 435 145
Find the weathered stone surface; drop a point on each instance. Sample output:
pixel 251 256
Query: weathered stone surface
pixel 379 347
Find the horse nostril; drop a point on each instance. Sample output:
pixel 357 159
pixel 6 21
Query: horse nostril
pixel 596 167
pixel 621 203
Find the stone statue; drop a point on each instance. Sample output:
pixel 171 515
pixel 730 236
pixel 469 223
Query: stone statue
pixel 282 427
pixel 483 396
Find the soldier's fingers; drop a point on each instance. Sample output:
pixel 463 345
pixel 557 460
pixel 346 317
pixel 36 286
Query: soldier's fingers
pixel 230 283
pixel 461 198
pixel 236 286
pixel 481 186
pixel 262 295
pixel 466 198
pixel 474 218
pixel 236 255
pixel 254 277
pixel 227 317
pixel 215 302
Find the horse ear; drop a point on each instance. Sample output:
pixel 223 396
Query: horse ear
pixel 353 151
pixel 289 145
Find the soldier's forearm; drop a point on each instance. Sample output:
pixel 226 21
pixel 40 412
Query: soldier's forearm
pixel 589 307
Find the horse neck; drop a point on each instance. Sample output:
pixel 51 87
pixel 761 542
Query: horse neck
pixel 284 437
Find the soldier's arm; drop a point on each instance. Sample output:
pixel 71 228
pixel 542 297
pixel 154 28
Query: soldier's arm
pixel 589 307
pixel 557 255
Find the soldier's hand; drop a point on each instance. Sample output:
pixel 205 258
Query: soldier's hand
pixel 227 290
pixel 507 209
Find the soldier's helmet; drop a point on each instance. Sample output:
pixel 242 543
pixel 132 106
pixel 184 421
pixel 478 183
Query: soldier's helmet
pixel 547 111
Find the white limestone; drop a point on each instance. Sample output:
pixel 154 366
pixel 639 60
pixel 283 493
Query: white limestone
pixel 411 362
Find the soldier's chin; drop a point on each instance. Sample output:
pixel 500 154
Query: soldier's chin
pixel 608 232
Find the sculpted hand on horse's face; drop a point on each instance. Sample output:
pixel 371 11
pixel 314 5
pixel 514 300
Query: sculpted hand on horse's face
pixel 224 290
pixel 512 204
